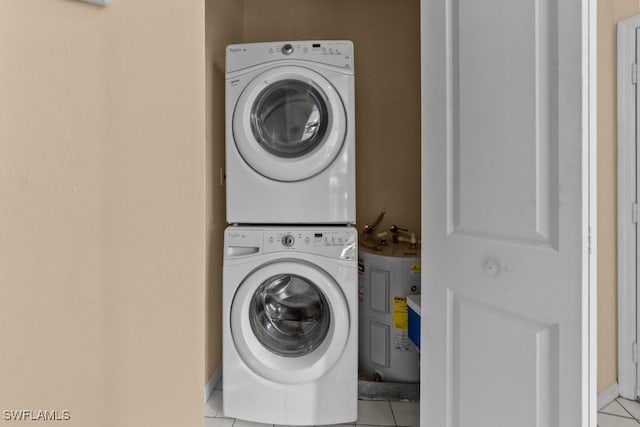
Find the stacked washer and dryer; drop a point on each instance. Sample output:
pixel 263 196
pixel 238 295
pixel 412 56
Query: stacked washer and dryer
pixel 290 275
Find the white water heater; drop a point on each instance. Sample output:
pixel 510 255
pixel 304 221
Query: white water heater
pixel 385 279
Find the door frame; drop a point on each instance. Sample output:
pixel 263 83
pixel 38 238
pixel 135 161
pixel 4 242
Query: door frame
pixel 627 255
pixel 588 22
pixel 590 134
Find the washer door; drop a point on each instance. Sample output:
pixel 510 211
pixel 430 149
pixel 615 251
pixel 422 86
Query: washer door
pixel 289 321
pixel 289 123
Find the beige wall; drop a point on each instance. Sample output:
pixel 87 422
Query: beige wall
pixel 609 12
pixel 223 27
pixel 386 37
pixel 102 227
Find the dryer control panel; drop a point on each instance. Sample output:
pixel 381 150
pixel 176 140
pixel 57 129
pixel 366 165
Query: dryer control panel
pixel 336 53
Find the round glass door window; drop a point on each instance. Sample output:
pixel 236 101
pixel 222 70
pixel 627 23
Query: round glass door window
pixel 289 118
pixel 289 315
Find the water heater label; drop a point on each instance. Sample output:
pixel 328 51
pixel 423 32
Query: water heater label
pixel 401 342
pixel 400 313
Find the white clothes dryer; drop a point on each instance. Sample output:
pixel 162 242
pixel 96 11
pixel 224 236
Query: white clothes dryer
pixel 290 133
pixel 290 334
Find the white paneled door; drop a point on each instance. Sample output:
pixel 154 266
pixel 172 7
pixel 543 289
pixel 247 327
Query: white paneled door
pixel 637 229
pixel 506 298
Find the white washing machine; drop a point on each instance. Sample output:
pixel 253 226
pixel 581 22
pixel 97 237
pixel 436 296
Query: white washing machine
pixel 290 334
pixel 290 133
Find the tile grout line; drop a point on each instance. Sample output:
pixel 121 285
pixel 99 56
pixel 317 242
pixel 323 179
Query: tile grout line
pixel 395 421
pixel 625 409
pixel 618 416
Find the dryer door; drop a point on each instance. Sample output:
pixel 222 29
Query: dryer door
pixel 289 123
pixel 289 321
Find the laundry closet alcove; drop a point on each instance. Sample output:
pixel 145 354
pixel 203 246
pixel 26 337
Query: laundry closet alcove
pixel 386 37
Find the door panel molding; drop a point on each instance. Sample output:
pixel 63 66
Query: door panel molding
pixel 476 327
pixel 526 82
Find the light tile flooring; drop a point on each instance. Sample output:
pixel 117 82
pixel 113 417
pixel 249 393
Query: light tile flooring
pixel 620 413
pixel 370 413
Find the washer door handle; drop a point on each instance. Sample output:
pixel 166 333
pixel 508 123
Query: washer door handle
pixel 241 250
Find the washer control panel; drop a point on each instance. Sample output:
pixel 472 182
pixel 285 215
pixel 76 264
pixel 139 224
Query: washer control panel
pixel 333 243
pixel 306 239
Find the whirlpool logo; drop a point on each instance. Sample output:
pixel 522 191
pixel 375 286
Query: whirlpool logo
pixel 40 415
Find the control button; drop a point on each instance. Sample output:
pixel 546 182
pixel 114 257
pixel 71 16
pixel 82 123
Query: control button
pixel 287 49
pixel 288 240
pixel 271 239
pixel 307 240
pixel 492 268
